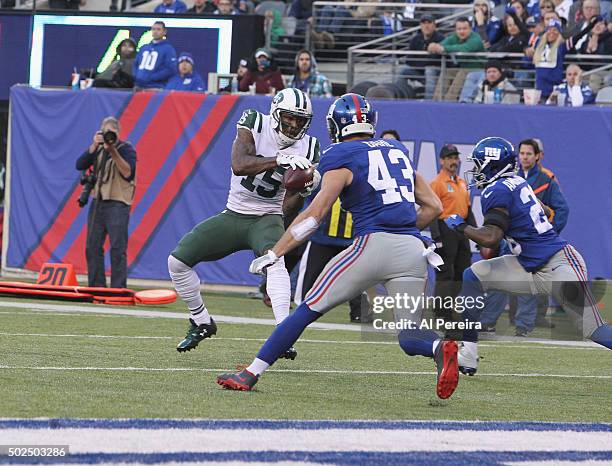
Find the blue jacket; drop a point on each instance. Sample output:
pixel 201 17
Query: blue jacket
pixel 177 6
pixel 189 82
pixel 493 29
pixel 548 191
pixel 155 64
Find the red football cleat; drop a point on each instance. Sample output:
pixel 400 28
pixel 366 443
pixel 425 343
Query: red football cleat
pixel 242 380
pixel 448 368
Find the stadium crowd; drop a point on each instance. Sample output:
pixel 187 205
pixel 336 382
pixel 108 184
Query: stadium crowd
pixel 543 32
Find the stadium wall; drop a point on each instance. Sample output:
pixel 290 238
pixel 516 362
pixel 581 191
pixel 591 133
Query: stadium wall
pixel 183 143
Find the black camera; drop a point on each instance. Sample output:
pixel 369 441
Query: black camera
pixel 88 180
pixel 110 137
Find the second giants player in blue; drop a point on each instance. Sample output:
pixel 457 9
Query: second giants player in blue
pixel 378 185
pixel 541 261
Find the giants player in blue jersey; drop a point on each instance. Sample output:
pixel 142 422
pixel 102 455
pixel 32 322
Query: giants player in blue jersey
pixel 377 183
pixel 541 262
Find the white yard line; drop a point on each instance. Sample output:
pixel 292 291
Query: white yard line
pixel 292 371
pixel 119 311
pixel 500 344
pixel 334 439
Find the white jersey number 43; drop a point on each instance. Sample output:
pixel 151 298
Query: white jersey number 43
pixel 380 178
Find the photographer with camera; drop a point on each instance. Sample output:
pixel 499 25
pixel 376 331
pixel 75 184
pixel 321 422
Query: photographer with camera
pixel 109 170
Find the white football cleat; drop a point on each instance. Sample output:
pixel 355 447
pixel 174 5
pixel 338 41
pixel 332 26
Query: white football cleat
pixel 468 358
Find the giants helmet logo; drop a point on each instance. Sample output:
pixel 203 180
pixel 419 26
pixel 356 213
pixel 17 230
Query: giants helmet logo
pixel 492 153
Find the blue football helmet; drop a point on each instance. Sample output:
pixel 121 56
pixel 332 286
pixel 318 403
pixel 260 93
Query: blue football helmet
pixel 493 158
pixel 348 115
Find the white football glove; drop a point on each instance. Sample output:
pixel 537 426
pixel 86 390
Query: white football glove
pixel 259 265
pixel 316 181
pixel 293 161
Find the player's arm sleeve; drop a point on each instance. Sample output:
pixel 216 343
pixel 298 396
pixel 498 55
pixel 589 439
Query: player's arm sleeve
pixel 559 206
pixel 333 160
pixel 499 197
pixel 251 120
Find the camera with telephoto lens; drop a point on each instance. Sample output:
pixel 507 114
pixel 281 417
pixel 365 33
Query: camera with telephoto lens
pixel 109 136
pixel 88 180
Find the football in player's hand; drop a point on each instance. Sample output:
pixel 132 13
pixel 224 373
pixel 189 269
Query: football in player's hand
pixel 297 179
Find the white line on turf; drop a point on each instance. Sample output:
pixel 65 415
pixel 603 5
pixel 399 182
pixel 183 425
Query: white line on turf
pixel 293 371
pixel 405 440
pixel 52 308
pixel 527 345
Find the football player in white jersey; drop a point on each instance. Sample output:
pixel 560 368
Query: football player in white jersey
pixel 265 146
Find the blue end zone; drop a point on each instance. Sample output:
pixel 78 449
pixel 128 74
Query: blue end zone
pixel 331 457
pixel 304 425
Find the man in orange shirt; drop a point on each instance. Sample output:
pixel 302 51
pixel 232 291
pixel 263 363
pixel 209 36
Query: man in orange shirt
pixel 454 248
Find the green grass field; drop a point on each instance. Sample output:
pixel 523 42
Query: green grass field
pixel 61 364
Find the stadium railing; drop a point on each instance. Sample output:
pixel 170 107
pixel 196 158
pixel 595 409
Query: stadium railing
pixel 388 64
pixel 333 59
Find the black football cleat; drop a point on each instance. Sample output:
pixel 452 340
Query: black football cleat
pixel 242 380
pixel 291 353
pixel 448 368
pixel 195 334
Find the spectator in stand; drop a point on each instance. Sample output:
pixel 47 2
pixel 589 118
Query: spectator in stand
pixel 301 10
pixel 156 61
pixel 487 26
pixel 171 6
pixel 226 7
pixel 273 26
pixel 246 7
pixel 526 78
pixel 202 7
pixel 496 88
pixel 519 8
pixel 514 40
pixel 119 73
pixel 572 92
pixel 390 22
pixel 589 13
pixel 419 66
pixel 390 134
pixel 516 35
pixel 599 42
pixel 307 78
pixel 549 55
pixel 462 40
pixel 187 79
pixel 546 6
pixel 241 71
pixel 332 21
pixel 265 75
